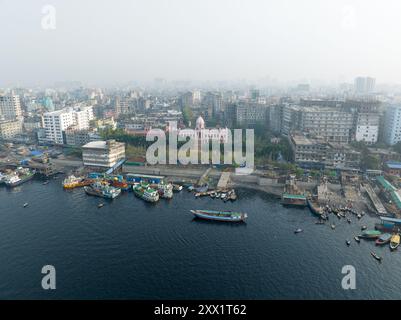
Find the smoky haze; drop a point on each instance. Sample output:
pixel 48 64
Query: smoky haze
pixel 115 41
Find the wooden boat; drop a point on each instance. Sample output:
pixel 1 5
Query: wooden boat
pixel 228 216
pixel 370 234
pixel 383 239
pixel 374 255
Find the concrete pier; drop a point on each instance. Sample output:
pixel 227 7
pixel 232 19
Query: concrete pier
pixel 379 207
pixel 224 180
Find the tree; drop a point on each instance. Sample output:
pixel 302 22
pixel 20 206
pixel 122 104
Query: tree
pixel 187 115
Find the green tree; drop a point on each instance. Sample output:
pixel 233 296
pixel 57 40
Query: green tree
pixel 187 115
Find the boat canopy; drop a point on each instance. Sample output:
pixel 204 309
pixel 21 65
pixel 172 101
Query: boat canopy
pixel 294 196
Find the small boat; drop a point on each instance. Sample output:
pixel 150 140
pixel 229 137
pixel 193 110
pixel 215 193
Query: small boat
pixel 359 216
pixel 357 239
pixel 383 239
pixel 348 220
pixel 395 241
pixel 228 216
pixel 46 182
pixel 363 228
pixel 299 230
pixel 333 226
pixel 374 255
pixel 25 204
pixel 319 222
pixel 348 242
pixel 223 195
pixel 177 187
pixel 100 205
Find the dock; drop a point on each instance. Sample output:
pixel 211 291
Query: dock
pixel 378 205
pixel 223 181
pixel 203 179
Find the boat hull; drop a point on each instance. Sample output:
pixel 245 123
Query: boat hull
pixel 227 218
pixel 23 180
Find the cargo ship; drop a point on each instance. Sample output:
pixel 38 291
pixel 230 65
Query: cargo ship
pixel 72 182
pixel 146 193
pixel 20 176
pixel 103 190
pixel 228 216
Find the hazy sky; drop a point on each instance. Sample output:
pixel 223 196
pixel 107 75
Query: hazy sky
pixel 122 40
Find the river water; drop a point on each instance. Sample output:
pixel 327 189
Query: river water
pixel 131 249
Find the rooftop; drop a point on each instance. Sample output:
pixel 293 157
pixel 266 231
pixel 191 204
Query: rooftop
pixel 100 144
pixel 393 165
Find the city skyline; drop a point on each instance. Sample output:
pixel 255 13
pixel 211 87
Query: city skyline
pixel 267 41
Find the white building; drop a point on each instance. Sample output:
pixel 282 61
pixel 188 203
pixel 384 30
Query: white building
pixel 10 107
pixel 55 123
pixel 103 154
pixel 392 125
pixel 367 127
pixel 203 134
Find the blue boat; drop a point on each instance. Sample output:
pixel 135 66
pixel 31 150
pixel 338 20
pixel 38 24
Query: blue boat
pixel 228 216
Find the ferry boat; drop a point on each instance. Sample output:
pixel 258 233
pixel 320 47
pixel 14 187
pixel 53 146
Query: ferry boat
pixel 228 216
pixel 103 190
pixel 20 176
pixel 165 190
pixel 383 239
pixel 290 199
pixel 395 241
pixel 146 193
pixel 72 182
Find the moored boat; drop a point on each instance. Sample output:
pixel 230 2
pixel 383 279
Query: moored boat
pixel 103 190
pixel 290 199
pixel 315 208
pixel 165 190
pixel 383 239
pixel 228 216
pixel 19 176
pixel 146 193
pixel 370 234
pixel 395 241
pixel 72 182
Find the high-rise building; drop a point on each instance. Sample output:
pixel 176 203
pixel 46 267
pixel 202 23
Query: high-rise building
pixel 392 125
pixel 57 122
pixel 10 107
pixel 364 85
pixel 10 128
